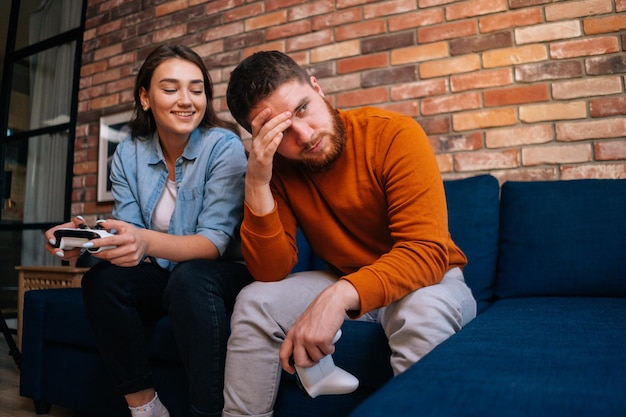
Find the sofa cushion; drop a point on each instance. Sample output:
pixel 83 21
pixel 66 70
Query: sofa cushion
pixel 473 205
pixel 524 357
pixel 562 238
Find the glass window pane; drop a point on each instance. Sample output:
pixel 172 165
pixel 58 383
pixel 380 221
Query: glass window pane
pixel 39 20
pixel 14 178
pixel 35 178
pixel 41 90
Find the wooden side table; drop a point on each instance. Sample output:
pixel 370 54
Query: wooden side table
pixel 43 277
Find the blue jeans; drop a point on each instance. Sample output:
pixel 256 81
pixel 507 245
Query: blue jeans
pixel 198 295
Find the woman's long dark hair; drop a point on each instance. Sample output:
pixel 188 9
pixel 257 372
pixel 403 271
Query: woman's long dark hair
pixel 142 125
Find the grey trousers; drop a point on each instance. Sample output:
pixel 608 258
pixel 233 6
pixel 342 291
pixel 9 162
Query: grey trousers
pixel 264 312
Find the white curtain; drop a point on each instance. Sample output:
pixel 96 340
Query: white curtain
pixel 51 78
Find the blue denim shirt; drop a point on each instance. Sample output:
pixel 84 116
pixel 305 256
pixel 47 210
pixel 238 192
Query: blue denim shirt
pixel 209 183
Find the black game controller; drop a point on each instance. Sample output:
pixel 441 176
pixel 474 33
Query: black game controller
pixel 69 238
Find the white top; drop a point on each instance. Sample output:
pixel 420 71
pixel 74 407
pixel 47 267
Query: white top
pixel 164 208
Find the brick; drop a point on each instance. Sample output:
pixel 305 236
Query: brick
pixel 416 19
pixel 514 56
pixel 362 97
pixel 610 150
pixel 468 45
pixel 348 82
pixel 220 6
pixel 481 79
pixel 594 171
pixel 516 4
pixel 459 142
pixel 222 32
pixel 242 12
pixel 613 64
pixel 606 24
pixel 265 20
pixel 533 113
pixel 474 8
pixel 123 59
pixel 170 7
pixel 93 68
pixel 409 108
pixel 124 84
pixel 458 65
pixel 419 53
pixel 587 87
pixel 336 19
pixel 486 160
pixel 526 174
pixel 518 136
pixel 512 19
pixel 446 31
pixel 594 129
pixel 360 30
pixel 387 42
pixel 309 40
pixel 277 45
pixel 429 3
pixel 574 9
pixel 107 52
pixel 445 163
pixel 584 47
pixel 435 125
pixel 169 33
pixel 309 9
pixel 109 27
pixel 300 27
pixel 364 62
pixel 419 89
pixel 335 51
pixel 548 32
pixel 271 5
pixel 386 8
pixel 481 119
pixel 517 95
pixel 552 70
pixel 103 77
pixel 604 107
pixel 620 5
pixel 556 154
pixel 389 76
pixel 243 40
pixel 450 103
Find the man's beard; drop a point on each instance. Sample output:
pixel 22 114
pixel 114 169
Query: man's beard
pixel 337 139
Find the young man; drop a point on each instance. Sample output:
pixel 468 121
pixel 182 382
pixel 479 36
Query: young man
pixel 365 188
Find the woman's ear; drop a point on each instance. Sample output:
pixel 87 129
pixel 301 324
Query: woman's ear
pixel 144 99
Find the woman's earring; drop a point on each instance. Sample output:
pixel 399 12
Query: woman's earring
pixel 146 108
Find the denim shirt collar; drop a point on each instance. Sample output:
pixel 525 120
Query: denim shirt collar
pixel 190 153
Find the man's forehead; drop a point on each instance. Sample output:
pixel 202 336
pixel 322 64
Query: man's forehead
pixel 287 97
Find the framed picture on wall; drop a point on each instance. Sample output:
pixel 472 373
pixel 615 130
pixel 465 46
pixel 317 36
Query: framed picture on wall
pixel 113 129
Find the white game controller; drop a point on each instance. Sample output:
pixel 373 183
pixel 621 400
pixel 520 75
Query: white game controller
pixel 325 378
pixel 69 238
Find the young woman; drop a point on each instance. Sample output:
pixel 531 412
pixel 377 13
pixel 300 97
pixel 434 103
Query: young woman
pixel 178 184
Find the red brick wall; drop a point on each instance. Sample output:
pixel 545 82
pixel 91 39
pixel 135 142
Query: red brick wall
pixel 521 89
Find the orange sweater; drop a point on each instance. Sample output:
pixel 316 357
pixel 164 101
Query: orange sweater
pixel 378 216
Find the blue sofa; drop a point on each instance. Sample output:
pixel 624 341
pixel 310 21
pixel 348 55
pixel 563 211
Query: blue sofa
pixel 547 266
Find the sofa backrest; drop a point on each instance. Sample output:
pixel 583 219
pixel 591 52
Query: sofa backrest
pixel 473 206
pixel 562 238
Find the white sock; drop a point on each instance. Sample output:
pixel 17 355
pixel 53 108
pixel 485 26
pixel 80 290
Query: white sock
pixel 154 408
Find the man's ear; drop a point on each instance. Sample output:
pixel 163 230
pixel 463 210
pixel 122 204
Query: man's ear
pixel 316 86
